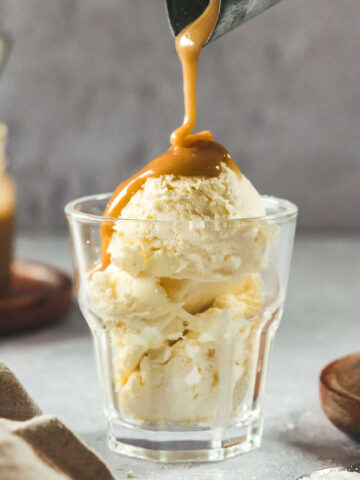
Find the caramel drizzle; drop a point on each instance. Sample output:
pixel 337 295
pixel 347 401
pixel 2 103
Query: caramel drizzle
pixel 189 44
pixel 194 155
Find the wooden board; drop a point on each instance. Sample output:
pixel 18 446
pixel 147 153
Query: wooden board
pixel 340 394
pixel 39 295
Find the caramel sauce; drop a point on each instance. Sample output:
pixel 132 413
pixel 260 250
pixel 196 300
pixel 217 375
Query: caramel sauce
pixel 189 44
pixel 191 155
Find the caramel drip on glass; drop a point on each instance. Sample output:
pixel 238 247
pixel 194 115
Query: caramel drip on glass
pixel 194 155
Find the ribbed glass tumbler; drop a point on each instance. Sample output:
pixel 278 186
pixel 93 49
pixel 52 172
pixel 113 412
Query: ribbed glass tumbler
pixel 183 316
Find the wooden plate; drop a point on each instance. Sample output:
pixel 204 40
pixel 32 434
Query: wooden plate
pixel 340 394
pixel 39 295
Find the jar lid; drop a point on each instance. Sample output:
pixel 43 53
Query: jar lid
pixel 3 139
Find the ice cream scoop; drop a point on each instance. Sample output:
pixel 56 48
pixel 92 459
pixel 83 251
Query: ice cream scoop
pixel 181 275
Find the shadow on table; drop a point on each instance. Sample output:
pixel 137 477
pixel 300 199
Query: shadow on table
pixel 120 464
pixel 322 443
pixel 72 325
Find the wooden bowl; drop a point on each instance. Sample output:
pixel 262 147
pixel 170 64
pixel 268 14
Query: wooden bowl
pixel 340 394
pixel 39 295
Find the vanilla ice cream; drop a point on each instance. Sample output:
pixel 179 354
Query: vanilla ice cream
pixel 182 297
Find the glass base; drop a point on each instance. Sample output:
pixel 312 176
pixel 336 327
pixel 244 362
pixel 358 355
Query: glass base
pixel 184 446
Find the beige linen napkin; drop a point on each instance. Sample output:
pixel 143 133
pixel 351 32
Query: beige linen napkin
pixel 39 447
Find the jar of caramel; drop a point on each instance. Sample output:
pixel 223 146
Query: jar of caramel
pixel 7 209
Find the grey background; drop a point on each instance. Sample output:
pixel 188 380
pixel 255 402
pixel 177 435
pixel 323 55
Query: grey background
pixel 93 90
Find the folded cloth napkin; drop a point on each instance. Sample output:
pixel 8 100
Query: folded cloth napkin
pixel 39 447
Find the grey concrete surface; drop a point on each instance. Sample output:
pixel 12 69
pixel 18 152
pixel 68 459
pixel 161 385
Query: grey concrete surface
pixel 321 323
pixel 93 90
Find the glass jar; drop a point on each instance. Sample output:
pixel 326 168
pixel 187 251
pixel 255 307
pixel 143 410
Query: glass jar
pixel 183 319
pixel 7 211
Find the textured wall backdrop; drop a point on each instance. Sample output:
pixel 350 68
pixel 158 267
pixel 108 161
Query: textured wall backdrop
pixel 93 90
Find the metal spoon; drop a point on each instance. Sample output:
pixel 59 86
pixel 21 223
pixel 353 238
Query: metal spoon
pixel 324 473
pixel 232 13
pixel 5 47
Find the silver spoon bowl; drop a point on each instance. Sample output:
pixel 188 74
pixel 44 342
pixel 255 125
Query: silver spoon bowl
pixel 232 13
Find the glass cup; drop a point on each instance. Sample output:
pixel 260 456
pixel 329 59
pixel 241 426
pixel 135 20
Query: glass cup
pixel 183 320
